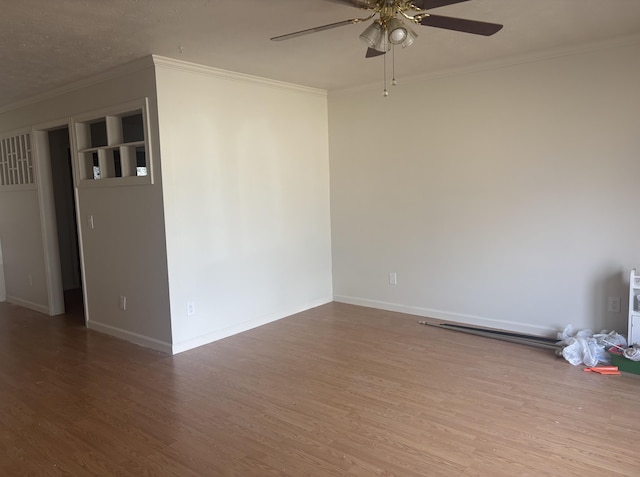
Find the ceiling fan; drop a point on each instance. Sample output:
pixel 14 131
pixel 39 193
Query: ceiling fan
pixel 389 28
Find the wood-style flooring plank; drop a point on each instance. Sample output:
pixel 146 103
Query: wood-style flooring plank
pixel 338 390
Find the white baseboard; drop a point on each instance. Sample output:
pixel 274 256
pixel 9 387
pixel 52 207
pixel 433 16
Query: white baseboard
pixel 528 328
pixel 136 338
pixel 245 326
pixel 27 304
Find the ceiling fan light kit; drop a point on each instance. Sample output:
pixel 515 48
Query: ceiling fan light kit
pixel 389 29
pixel 411 37
pixel 374 37
pixel 396 31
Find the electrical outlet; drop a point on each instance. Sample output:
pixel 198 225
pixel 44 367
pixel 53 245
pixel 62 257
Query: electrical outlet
pixel 90 221
pixel 30 280
pixel 393 278
pixel 191 308
pixel 123 303
pixel 613 305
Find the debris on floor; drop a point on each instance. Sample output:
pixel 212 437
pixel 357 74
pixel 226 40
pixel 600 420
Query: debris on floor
pixel 622 360
pixel 585 347
pixel 576 346
pixel 512 337
pixel 632 353
pixel 608 370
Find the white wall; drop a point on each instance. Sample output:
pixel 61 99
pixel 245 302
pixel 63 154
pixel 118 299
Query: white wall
pixel 125 254
pixel 23 255
pixel 3 290
pixel 506 197
pixel 246 197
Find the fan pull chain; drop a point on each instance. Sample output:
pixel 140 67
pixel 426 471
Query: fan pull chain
pixel 393 59
pixel 385 93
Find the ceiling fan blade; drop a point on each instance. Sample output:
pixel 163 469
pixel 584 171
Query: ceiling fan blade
pixel 372 53
pixel 461 24
pixel 364 4
pixel 316 29
pixel 429 4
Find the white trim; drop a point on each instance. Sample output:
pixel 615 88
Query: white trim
pixel 122 109
pixel 501 63
pixel 76 205
pixel 25 186
pixel 114 110
pixel 245 326
pixel 449 316
pixel 116 72
pixel 170 63
pixel 135 338
pixel 17 187
pixel 48 219
pixel 116 181
pixel 46 203
pixel 15 132
pixel 27 304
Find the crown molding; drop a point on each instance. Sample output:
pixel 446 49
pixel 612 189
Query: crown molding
pixel 502 63
pixel 151 61
pixel 172 63
pixel 115 72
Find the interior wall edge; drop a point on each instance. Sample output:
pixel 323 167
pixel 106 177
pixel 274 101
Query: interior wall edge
pixel 246 326
pixel 539 56
pixel 213 72
pixel 485 322
pixel 130 336
pixel 115 72
pixel 44 309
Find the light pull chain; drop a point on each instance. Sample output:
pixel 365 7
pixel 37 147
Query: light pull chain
pixel 393 55
pixel 385 93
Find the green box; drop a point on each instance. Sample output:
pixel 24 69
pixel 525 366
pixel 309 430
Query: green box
pixel 625 364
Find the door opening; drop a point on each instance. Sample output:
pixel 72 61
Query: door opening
pixel 66 221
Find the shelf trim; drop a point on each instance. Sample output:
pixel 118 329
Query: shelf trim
pixel 115 182
pixel 115 146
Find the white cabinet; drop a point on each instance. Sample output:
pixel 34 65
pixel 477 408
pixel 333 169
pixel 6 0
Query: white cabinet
pixel 634 308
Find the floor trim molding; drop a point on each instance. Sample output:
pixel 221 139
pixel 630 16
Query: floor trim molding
pixel 135 338
pixel 461 318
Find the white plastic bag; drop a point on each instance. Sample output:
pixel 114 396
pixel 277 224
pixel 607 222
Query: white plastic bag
pixel 582 347
pixel 572 352
pixel 581 350
pixel 610 340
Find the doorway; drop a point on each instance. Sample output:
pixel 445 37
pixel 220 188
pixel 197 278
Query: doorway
pixel 64 198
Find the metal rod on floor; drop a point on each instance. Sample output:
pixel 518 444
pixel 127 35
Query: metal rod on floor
pixel 529 340
pixel 503 333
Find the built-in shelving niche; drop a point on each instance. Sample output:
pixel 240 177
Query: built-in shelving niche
pixel 113 147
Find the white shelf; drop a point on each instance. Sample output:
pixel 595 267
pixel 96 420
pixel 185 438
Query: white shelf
pixel 634 308
pixel 112 147
pixel 96 149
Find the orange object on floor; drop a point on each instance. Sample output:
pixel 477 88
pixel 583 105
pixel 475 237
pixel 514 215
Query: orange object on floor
pixel 609 370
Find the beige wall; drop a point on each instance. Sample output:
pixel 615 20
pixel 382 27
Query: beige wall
pixel 246 198
pixel 243 183
pixel 125 253
pixel 506 197
pixel 23 255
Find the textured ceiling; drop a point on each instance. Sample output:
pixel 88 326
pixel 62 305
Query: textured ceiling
pixel 46 44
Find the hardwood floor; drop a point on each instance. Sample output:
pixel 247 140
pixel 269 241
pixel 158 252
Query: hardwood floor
pixel 338 390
